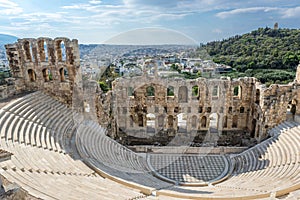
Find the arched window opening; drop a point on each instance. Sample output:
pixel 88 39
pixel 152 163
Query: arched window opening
pixel 183 94
pixel 27 50
pixel 215 92
pixel 194 122
pixel 161 120
pixel 150 120
pixel 60 51
pixel 63 50
pixel 170 91
pixel 41 50
pixel 225 122
pixel 150 91
pixel 200 109
pixel 203 122
pixel 63 74
pixel 294 106
pixel 242 109
pixel 140 120
pixel 235 121
pixel 257 96
pixel 50 76
pixel 130 91
pixel 130 121
pixel 236 91
pixel 31 54
pixel 32 75
pixel 195 91
pixel 45 74
pixel 170 121
pixel 182 121
pixel 213 120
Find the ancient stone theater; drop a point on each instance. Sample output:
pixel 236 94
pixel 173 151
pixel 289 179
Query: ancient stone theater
pixel 148 138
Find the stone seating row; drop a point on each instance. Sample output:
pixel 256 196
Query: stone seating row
pixel 47 185
pixel 113 158
pixel 272 165
pixel 31 132
pixel 48 120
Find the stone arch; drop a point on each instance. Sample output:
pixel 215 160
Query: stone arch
pixel 237 91
pixel 27 49
pixel 225 118
pixel 242 109
pixel 182 121
pixel 203 122
pixel 50 75
pixel 235 121
pixel 194 121
pixel 130 91
pixel 46 74
pixel 140 120
pixel 60 50
pixel 150 122
pixel 257 96
pixel 213 120
pixel 150 91
pixel 215 91
pixel 63 72
pixel 170 91
pixel 31 75
pixel 161 120
pixel 131 121
pixel 42 50
pixel 195 91
pixel 252 133
pixel 294 106
pixel 182 94
pixel 170 121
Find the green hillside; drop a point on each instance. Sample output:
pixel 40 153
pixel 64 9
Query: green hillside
pixel 268 54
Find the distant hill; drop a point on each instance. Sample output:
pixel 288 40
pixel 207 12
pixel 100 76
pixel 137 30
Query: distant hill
pixel 271 55
pixel 6 39
pixel 260 49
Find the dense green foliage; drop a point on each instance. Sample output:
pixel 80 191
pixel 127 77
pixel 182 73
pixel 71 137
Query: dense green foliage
pixel 265 48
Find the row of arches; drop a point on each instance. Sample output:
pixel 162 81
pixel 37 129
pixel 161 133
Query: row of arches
pixel 48 75
pixel 43 52
pixel 183 92
pixel 211 121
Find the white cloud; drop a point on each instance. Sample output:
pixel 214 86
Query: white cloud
pixel 291 13
pixel 239 11
pixel 217 30
pixel 95 2
pixel 8 7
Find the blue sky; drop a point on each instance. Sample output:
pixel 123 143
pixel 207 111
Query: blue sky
pixel 96 21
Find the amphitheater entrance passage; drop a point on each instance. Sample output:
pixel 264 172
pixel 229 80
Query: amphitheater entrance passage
pixel 170 122
pixel 203 122
pixel 213 121
pixel 150 123
pixel 181 123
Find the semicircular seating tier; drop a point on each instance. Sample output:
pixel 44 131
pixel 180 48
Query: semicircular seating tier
pixel 53 146
pixel 34 129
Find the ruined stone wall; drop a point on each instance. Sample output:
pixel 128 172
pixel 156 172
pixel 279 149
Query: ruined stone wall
pixel 49 65
pixel 144 105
